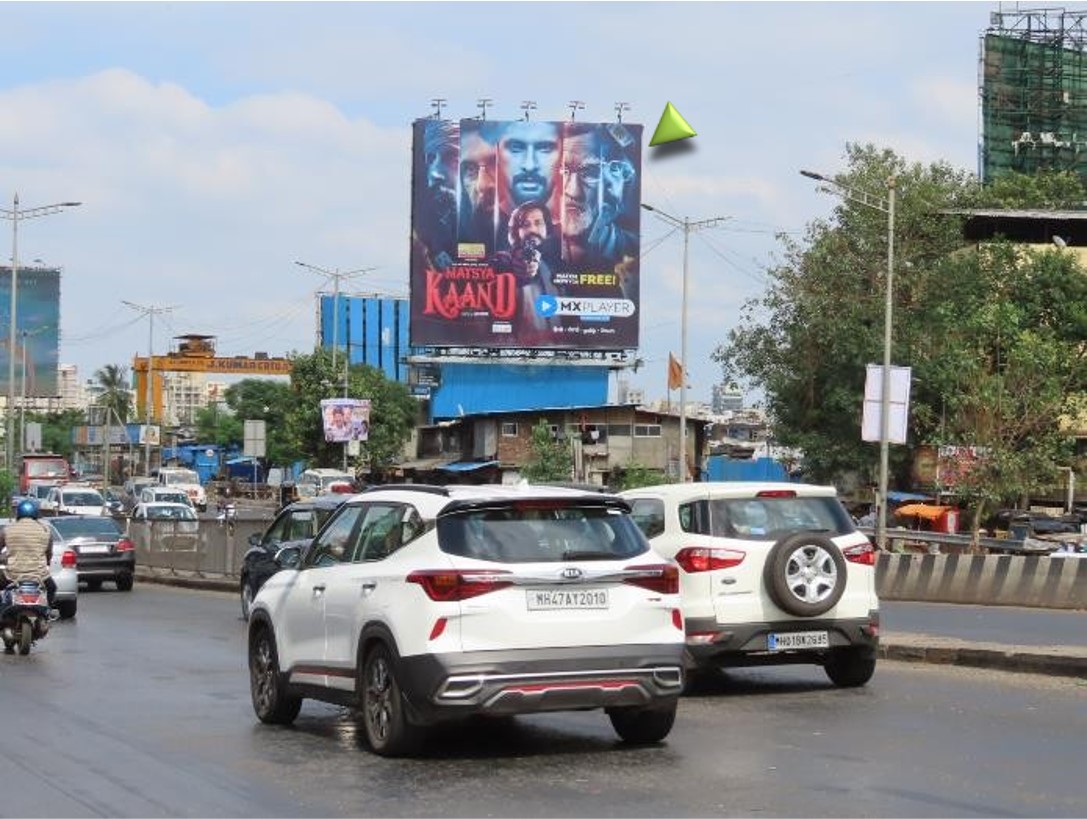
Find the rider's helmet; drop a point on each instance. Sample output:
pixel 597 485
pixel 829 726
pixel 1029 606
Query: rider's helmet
pixel 26 509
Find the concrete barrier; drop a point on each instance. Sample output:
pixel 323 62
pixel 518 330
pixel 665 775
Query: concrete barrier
pixel 988 580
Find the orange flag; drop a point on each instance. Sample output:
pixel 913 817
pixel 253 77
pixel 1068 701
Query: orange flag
pixel 675 373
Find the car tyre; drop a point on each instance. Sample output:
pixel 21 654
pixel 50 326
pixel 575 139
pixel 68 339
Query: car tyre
pixel 643 726
pixel 267 685
pixel 124 582
pixel 247 598
pixel 805 574
pixel 380 700
pixel 850 667
pixel 67 609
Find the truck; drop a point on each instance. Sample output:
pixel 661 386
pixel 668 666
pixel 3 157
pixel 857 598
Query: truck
pixel 187 480
pixel 37 468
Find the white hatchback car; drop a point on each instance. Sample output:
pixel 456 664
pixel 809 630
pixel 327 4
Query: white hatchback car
pixel 418 604
pixel 771 574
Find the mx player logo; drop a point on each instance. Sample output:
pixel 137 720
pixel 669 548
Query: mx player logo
pixel 547 306
pixel 550 306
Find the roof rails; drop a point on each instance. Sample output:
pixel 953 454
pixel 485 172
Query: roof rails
pixel 430 489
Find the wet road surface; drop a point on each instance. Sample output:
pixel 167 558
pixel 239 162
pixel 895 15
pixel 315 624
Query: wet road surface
pixel 140 707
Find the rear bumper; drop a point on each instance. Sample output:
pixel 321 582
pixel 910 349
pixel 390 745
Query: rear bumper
pixel 746 644
pixel 106 566
pixel 445 686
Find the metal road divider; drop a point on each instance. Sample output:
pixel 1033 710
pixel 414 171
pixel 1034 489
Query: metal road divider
pixel 210 551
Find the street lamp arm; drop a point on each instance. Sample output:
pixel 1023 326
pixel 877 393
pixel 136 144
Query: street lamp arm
pixel 31 213
pixel 861 197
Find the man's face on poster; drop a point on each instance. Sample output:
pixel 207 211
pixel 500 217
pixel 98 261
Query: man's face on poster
pixel 477 171
pixel 440 158
pixel 533 225
pixel 529 153
pixel 581 180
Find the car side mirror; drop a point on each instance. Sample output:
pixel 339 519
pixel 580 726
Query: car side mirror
pixel 289 557
pixel 254 539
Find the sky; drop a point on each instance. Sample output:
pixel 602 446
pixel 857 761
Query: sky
pixel 213 145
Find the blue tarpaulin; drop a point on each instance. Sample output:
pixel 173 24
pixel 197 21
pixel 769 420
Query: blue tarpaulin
pixel 899 497
pixel 466 466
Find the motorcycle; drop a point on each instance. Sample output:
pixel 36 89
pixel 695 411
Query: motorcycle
pixel 228 516
pixel 24 614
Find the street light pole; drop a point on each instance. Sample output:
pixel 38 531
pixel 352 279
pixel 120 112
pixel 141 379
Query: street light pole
pixel 885 206
pixel 337 276
pixel 686 225
pixel 15 215
pixel 149 311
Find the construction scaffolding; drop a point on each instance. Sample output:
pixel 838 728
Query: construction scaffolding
pixel 1032 78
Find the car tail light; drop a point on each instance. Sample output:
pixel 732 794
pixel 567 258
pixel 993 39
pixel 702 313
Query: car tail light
pixel 124 545
pixel 68 559
pixel 863 554
pixel 662 578
pixel 702 559
pixel 776 493
pixel 448 585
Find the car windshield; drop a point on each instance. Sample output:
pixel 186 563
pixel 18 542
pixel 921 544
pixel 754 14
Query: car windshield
pixel 180 476
pixel 541 533
pixel 764 518
pixel 85 527
pixel 46 468
pixel 172 497
pixel 170 513
pixel 82 499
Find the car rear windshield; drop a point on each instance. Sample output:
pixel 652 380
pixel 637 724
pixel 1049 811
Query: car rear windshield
pixel 83 527
pixel 82 499
pixel 541 533
pixel 765 518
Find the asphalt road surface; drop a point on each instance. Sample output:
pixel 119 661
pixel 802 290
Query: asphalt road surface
pixel 140 707
pixel 1011 625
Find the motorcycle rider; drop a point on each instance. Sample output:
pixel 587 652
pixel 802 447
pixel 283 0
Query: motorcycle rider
pixel 30 548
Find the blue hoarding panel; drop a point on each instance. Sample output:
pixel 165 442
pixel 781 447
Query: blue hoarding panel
pixel 466 389
pixel 373 330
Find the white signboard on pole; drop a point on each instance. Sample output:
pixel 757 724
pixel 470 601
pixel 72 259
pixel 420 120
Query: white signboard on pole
pixel 873 403
pixel 253 443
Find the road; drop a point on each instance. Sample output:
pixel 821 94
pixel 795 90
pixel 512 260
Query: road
pixel 140 707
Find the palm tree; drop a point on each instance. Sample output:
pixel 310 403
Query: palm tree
pixel 116 396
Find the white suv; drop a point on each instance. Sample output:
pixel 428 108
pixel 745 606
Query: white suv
pixel 770 574
pixel 419 604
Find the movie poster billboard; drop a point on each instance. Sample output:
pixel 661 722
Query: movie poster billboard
pixel 37 330
pixel 525 234
pixel 346 419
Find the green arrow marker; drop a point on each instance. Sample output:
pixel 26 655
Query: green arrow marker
pixel 672 127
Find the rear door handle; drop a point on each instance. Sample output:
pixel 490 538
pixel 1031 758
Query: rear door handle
pixel 318 590
pixel 368 587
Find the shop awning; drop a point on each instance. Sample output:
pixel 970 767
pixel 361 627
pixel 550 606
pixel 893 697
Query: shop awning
pixel 422 463
pixel 900 497
pixel 466 466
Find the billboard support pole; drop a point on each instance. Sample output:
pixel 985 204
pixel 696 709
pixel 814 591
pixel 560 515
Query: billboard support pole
pixel 15 215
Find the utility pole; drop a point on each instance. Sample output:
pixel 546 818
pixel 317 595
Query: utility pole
pixel 15 216
pixel 686 225
pixel 149 311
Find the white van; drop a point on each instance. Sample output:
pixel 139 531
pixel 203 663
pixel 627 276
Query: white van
pixel 176 477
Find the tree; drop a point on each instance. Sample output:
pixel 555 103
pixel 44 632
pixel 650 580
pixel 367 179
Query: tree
pixel 215 425
pixel 807 340
pixel 57 429
pixel 636 475
pixel 551 459
pixel 994 337
pixel 393 412
pixel 115 396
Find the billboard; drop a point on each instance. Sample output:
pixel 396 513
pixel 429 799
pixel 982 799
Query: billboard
pixel 346 419
pixel 525 234
pixel 37 330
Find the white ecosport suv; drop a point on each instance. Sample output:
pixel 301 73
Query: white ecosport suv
pixel 418 604
pixel 770 574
